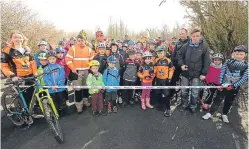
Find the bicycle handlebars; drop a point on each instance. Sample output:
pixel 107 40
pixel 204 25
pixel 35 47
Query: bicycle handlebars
pixel 20 80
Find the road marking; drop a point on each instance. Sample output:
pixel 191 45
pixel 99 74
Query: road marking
pixel 89 142
pixel 236 140
pixel 173 137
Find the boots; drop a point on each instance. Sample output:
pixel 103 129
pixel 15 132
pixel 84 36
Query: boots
pixel 143 104
pixel 79 106
pixel 148 103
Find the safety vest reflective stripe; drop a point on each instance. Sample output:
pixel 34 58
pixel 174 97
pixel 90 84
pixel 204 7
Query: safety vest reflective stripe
pixel 82 68
pixel 70 56
pixel 69 62
pixel 79 59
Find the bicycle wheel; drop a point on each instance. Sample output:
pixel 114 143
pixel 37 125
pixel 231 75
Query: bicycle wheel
pixel 52 121
pixel 11 104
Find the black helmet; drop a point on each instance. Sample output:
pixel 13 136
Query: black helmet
pixel 241 48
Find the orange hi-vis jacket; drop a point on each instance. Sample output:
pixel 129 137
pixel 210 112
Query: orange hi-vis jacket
pixel 15 63
pixel 163 68
pixel 78 58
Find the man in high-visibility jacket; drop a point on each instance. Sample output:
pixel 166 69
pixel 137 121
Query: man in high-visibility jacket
pixel 77 59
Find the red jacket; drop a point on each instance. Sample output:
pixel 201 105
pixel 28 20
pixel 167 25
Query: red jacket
pixel 213 75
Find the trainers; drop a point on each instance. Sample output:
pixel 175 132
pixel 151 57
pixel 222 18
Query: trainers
pixel 225 118
pixel 102 112
pixel 207 116
pixel 120 101
pixel 167 113
pixel 95 113
pixel 115 109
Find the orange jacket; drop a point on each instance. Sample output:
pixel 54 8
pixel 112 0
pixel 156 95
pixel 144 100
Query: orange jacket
pixel 15 63
pixel 146 73
pixel 78 58
pixel 163 68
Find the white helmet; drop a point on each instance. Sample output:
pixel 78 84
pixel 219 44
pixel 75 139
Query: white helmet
pixel 147 54
pixel 218 55
pixel 42 43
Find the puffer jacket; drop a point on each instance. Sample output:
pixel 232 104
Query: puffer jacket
pixel 56 78
pixel 111 77
pixel 196 57
pixel 130 71
pixel 94 80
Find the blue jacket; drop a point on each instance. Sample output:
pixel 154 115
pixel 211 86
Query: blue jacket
pixel 37 59
pixel 111 78
pixel 54 79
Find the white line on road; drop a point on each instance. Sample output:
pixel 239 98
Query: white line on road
pixel 89 142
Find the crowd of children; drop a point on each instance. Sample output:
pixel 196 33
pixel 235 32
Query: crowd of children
pixel 131 64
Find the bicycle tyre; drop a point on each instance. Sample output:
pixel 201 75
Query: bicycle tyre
pixel 18 106
pixel 53 122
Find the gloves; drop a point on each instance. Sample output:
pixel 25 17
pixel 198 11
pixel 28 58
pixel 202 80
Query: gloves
pixel 229 88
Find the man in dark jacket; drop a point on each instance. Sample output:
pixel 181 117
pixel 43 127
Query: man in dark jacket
pixel 194 61
pixel 183 40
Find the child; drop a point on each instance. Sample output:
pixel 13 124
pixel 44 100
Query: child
pixel 146 73
pixel 164 71
pixel 111 78
pixel 56 78
pixel 138 92
pixel 44 62
pixel 212 78
pixel 101 57
pixel 94 78
pixel 234 73
pixel 130 77
pixel 42 49
pixel 131 45
pixel 61 61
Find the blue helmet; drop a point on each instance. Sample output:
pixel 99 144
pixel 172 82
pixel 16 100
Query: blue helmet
pixel 131 42
pixel 112 59
pixel 59 50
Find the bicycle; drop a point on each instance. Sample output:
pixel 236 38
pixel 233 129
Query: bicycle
pixel 19 113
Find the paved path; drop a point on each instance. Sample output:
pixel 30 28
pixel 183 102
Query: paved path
pixel 130 128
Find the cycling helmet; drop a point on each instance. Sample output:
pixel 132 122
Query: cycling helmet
pixel 125 45
pixel 51 54
pixel 152 41
pixel 73 38
pixel 94 63
pixel 218 55
pixel 61 43
pixel 42 55
pixel 242 48
pixel 160 48
pixel 99 33
pixel 101 45
pixel 131 42
pixel 147 54
pixel 59 50
pixel 42 43
pixel 112 59
pixel 83 33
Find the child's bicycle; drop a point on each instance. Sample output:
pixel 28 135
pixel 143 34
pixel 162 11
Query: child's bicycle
pixel 19 113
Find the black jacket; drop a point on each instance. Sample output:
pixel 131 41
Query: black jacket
pixel 103 62
pixel 196 57
pixel 178 46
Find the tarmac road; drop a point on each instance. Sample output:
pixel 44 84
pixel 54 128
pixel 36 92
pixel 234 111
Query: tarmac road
pixel 130 128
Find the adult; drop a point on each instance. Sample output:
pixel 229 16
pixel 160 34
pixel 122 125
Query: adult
pixel 194 61
pixel 17 61
pixel 77 59
pixel 126 39
pixel 184 39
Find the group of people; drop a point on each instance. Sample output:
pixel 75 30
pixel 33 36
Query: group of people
pixel 187 61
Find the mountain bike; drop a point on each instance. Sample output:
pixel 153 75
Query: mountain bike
pixel 17 110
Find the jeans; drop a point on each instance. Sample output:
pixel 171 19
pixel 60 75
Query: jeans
pixel 194 91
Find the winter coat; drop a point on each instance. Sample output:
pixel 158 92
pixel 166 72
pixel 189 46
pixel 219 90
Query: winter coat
pixel 213 74
pixel 111 77
pixel 94 80
pixel 103 62
pixel 234 73
pixel 56 78
pixel 120 62
pixel 63 64
pixel 178 46
pixel 146 73
pixel 196 57
pixel 163 68
pixel 37 59
pixel 130 71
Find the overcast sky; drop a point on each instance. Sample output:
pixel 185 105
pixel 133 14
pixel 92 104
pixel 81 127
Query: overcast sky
pixel 74 15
